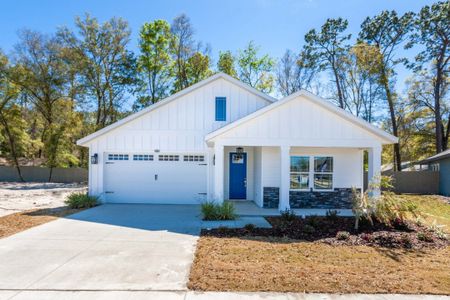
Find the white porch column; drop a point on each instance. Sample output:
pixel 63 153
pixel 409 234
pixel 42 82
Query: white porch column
pixel 284 178
pixel 218 173
pixel 209 174
pixel 374 166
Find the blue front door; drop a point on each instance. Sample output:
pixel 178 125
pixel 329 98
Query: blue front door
pixel 238 176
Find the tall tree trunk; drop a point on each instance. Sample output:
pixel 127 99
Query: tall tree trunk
pixel 339 88
pixel 12 145
pixel 396 155
pixel 439 130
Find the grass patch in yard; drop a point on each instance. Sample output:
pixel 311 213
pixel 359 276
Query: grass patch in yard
pixel 284 265
pixel 433 208
pixel 17 222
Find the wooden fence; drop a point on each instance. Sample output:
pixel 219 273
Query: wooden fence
pixel 413 182
pixel 41 174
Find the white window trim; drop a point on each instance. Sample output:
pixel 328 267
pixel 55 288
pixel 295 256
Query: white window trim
pixel 309 172
pixel 312 172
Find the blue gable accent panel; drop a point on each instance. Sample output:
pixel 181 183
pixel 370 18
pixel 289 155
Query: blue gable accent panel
pixel 221 109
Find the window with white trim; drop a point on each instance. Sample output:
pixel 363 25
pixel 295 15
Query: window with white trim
pixel 168 157
pixel 193 158
pixel 299 172
pixel 117 156
pixel 323 173
pixel 311 172
pixel 146 157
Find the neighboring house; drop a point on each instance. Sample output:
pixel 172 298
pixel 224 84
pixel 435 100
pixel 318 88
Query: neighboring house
pixel 222 139
pixel 439 162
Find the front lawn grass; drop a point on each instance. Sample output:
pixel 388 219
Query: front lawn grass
pixel 434 209
pixel 283 265
pixel 227 262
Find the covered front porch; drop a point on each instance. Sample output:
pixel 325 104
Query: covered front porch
pixel 264 180
pixel 301 152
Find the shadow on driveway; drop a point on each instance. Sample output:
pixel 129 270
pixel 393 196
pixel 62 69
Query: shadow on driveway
pixel 185 219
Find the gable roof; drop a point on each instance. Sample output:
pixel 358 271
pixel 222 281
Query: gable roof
pixel 386 137
pixel 436 157
pixel 171 98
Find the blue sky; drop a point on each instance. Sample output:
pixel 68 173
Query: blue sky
pixel 274 25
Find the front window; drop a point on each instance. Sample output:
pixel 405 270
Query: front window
pixel 299 172
pixel 323 173
pixel 311 172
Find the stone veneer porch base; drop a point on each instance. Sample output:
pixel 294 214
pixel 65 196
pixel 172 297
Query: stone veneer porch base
pixel 339 198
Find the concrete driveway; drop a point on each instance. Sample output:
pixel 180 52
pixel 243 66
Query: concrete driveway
pixel 110 247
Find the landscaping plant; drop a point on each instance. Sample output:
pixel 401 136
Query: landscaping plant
pixel 81 200
pixel 212 211
pixel 385 207
pixel 342 235
pixel 288 215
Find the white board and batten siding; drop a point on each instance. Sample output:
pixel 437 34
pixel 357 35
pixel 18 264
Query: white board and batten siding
pixel 176 127
pixel 298 122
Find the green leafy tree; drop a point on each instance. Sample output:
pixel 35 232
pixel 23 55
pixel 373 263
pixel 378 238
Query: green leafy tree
pixel 107 68
pixel 198 68
pixel 364 93
pixel 12 126
pixel 433 32
pixel 254 70
pixel 226 63
pixel 386 32
pixel 327 48
pixel 42 76
pixel 154 62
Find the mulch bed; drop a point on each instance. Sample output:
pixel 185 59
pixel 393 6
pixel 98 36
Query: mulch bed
pixel 17 222
pixel 407 235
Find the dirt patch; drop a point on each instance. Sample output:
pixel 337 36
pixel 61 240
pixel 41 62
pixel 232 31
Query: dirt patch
pixel 285 265
pixel 21 221
pixel 18 197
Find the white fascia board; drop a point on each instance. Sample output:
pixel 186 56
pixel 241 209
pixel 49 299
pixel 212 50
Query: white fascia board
pixel 85 140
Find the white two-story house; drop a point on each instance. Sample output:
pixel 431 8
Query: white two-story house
pixel 222 139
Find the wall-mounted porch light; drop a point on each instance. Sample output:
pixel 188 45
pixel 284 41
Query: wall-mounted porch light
pixel 239 152
pixel 94 159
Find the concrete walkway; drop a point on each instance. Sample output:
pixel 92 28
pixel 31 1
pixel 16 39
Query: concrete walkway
pixel 167 295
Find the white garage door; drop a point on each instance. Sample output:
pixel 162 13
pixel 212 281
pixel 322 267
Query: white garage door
pixel 155 178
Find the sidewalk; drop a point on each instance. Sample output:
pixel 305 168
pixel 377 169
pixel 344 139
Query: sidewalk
pixel 189 295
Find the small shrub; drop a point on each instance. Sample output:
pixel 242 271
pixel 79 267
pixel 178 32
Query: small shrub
pixel 288 215
pixel 209 211
pixel 308 229
pixel 249 227
pixel 81 200
pixel 393 210
pixel 227 211
pixel 212 211
pixel 342 235
pixel 438 231
pixel 425 237
pixel 332 214
pixel 313 220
